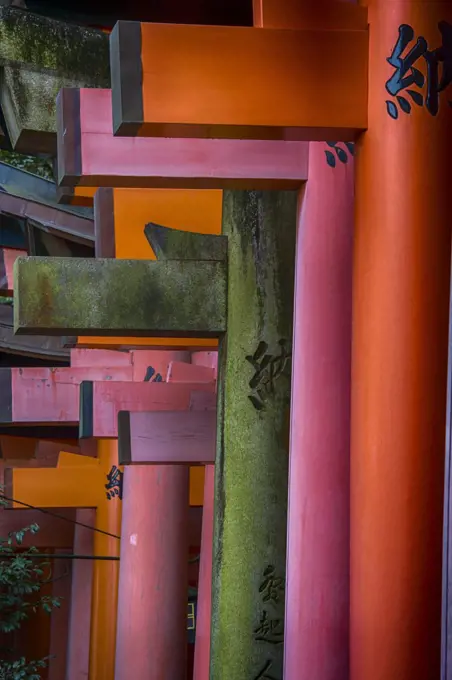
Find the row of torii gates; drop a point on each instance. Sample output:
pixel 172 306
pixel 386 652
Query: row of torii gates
pixel 206 130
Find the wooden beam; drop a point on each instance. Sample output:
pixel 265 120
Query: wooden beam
pixel 44 396
pixel 89 154
pixel 41 347
pixel 237 83
pixel 310 15
pixel 77 196
pixel 59 220
pixel 170 438
pixel 100 402
pixel 60 296
pixel 53 532
pixel 7 258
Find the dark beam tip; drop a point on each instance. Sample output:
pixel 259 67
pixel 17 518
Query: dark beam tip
pixel 86 424
pixel 124 442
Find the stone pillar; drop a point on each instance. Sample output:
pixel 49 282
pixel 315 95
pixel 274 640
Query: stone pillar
pixel 400 332
pixel 105 576
pixel 59 622
pixel 252 456
pixel 80 610
pixel 318 549
pixel 153 590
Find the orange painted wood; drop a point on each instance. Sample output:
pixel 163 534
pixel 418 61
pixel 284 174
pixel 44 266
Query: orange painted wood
pixel 89 154
pixel 7 258
pixel 245 83
pixel 167 437
pixel 151 639
pixel 401 283
pixel 81 596
pixel 53 532
pixel 309 15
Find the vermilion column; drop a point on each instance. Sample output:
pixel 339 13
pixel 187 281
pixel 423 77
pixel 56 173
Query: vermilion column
pixel 105 576
pixel 318 558
pixel 204 607
pixel 153 589
pixel 400 326
pixel 151 638
pixel 318 536
pixel 80 604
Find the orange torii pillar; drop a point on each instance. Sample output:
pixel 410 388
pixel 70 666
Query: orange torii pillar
pixel 80 482
pixel 400 337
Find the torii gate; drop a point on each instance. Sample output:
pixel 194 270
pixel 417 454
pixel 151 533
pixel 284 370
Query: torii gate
pixel 397 110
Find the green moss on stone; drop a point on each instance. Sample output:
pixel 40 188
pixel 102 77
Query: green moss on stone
pixel 43 44
pixel 252 456
pixel 59 296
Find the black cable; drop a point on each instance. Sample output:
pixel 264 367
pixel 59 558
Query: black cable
pixel 54 514
pixel 32 556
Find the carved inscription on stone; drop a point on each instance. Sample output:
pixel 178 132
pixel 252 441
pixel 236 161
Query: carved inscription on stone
pixel 268 369
pixel 270 628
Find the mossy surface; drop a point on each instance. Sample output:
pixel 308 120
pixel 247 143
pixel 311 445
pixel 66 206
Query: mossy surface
pixel 39 56
pixel 59 296
pixel 173 244
pixel 56 47
pixel 252 456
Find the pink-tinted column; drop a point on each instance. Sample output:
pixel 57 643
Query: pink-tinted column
pixel 80 612
pixel 204 606
pixel 317 590
pixel 151 638
pixel 59 624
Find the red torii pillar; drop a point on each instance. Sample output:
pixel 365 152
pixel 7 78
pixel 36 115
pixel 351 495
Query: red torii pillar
pixel 399 364
pixel 316 635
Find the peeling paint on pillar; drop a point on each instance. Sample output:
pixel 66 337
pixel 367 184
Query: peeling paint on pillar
pixel 252 457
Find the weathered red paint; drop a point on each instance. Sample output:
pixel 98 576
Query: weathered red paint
pixel 317 590
pixel 170 437
pixel 183 372
pixel 80 612
pixel 49 395
pixel 111 397
pixel 171 163
pixel 152 603
pixel 204 605
pixel 59 623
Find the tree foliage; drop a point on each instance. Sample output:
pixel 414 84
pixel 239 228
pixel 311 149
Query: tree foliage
pixel 34 164
pixel 21 581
